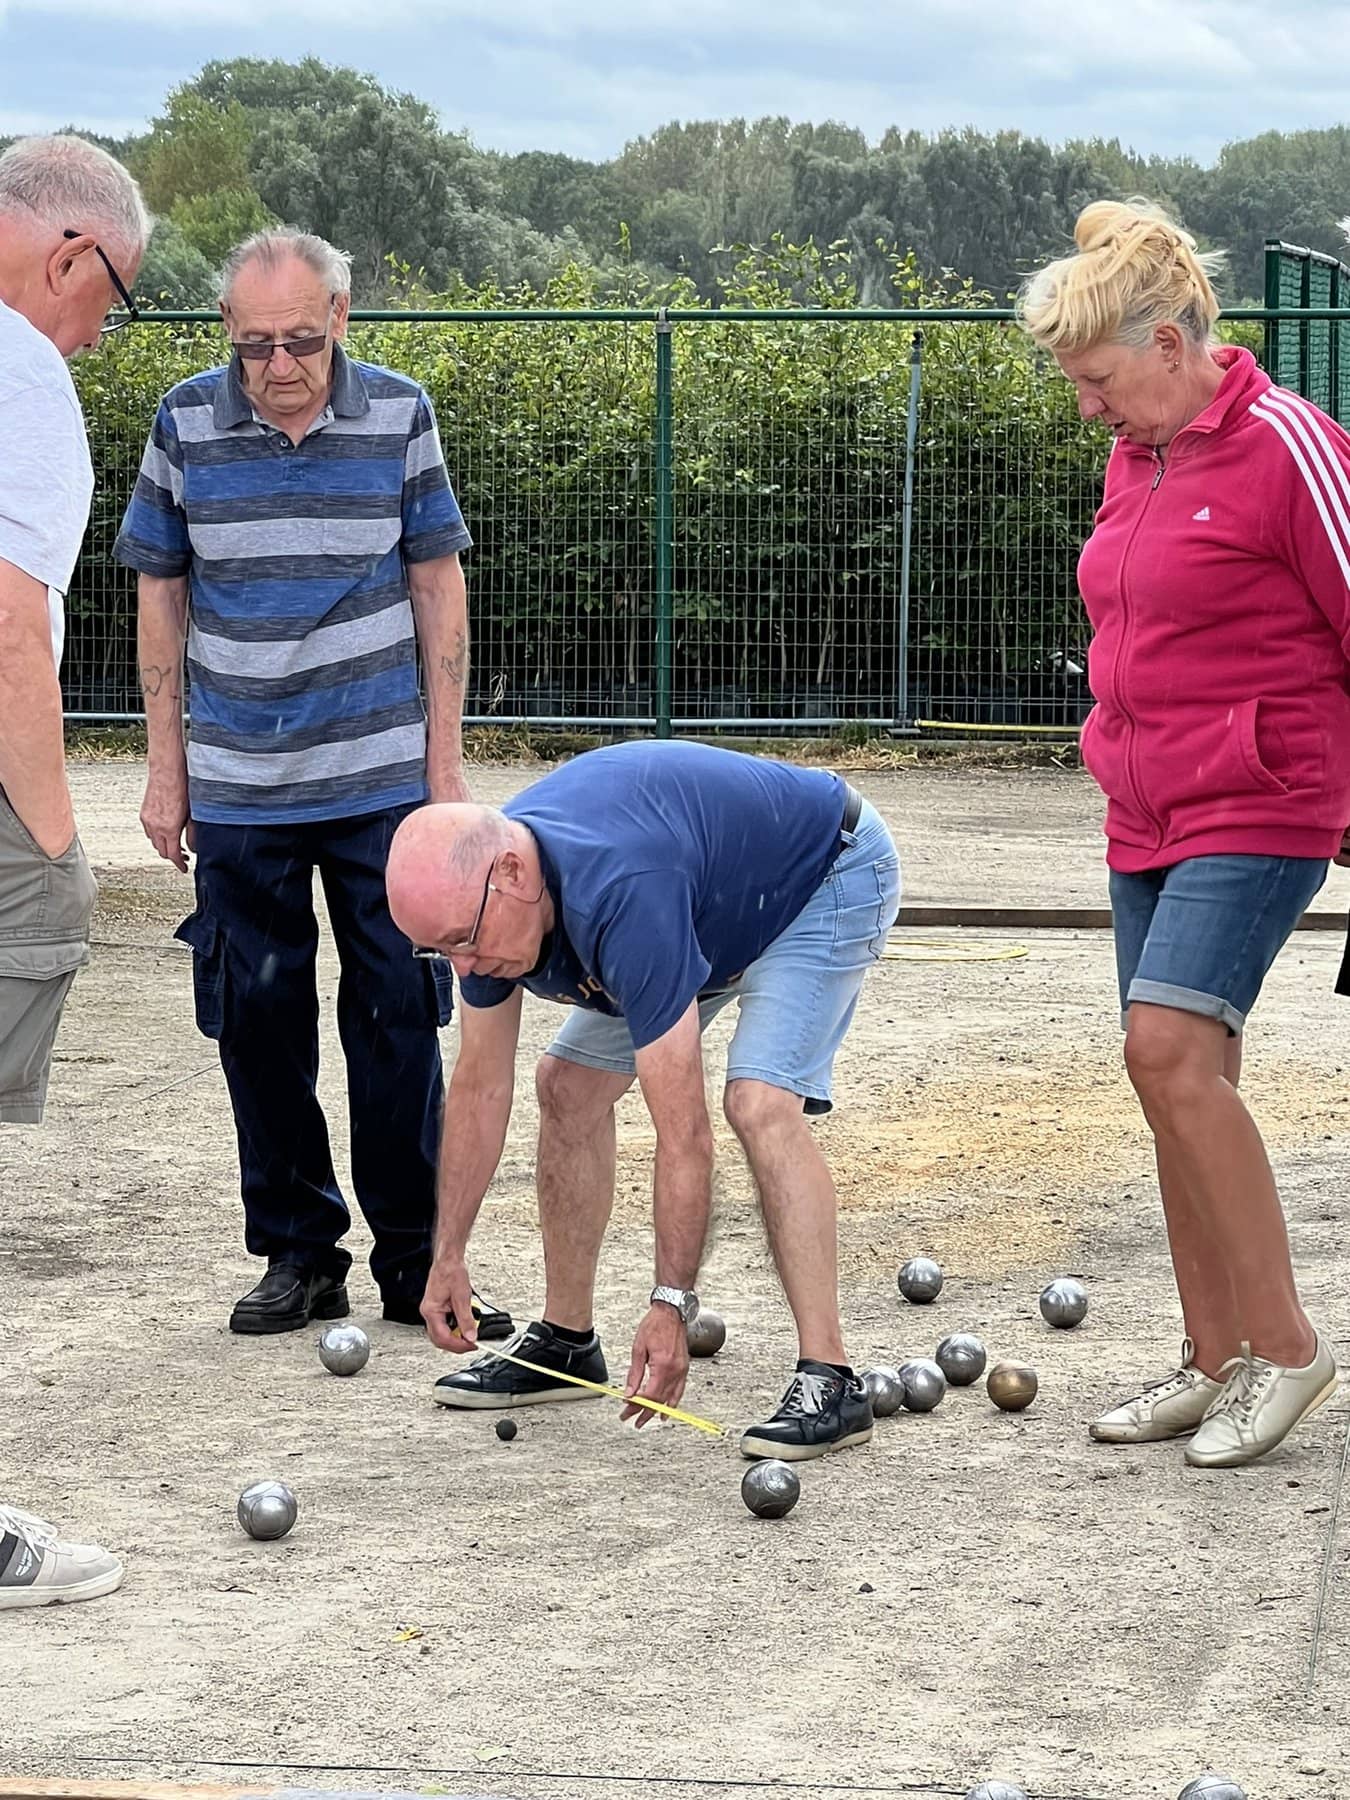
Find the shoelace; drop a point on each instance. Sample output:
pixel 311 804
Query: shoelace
pixel 807 1393
pixel 511 1347
pixel 30 1530
pixel 1246 1385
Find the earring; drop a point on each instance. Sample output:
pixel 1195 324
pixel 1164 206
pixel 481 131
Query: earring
pixel 1175 367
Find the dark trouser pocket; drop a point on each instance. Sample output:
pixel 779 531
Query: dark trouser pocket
pixel 199 931
pixel 443 984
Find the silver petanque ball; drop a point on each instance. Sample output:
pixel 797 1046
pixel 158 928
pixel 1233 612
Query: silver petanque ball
pixel 924 1384
pixel 1212 1787
pixel 997 1790
pixel 885 1390
pixel 707 1334
pixel 962 1358
pixel 920 1281
pixel 344 1349
pixel 1064 1303
pixel 267 1509
pixel 770 1489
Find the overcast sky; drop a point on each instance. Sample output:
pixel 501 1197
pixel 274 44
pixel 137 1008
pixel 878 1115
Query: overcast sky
pixel 589 75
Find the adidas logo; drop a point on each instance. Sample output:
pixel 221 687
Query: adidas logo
pixel 1202 515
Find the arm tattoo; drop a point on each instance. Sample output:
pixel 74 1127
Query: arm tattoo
pixel 153 680
pixel 453 666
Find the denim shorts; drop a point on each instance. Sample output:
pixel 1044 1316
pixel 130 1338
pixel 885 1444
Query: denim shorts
pixel 1201 935
pixel 798 997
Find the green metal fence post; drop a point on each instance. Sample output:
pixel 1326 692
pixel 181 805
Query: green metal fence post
pixel 904 718
pixel 1271 333
pixel 665 522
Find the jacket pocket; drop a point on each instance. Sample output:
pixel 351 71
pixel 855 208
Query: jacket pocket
pixel 1247 720
pixel 200 933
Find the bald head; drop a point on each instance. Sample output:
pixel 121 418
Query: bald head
pixel 438 863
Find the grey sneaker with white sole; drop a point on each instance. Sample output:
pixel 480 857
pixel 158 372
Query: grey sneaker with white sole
pixel 1170 1408
pixel 37 1568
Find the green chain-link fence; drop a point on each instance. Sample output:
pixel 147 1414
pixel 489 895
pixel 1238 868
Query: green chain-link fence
pixel 1309 354
pixel 769 520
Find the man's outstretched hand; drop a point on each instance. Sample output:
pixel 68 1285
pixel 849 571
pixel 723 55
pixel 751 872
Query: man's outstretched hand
pixel 660 1364
pixel 449 1294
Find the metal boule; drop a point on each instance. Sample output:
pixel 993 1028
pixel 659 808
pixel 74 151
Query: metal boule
pixel 1012 1386
pixel 770 1489
pixel 962 1358
pixel 1212 1787
pixel 267 1509
pixel 344 1349
pixel 885 1389
pixel 924 1384
pixel 920 1280
pixel 1064 1303
pixel 707 1334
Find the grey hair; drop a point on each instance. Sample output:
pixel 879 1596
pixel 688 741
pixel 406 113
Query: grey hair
pixel 70 184
pixel 280 243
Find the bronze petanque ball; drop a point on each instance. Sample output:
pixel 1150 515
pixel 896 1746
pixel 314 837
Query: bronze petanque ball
pixel 886 1391
pixel 707 1334
pixel 997 1790
pixel 1212 1787
pixel 770 1489
pixel 1012 1385
pixel 920 1281
pixel 1064 1303
pixel 924 1384
pixel 267 1509
pixel 962 1358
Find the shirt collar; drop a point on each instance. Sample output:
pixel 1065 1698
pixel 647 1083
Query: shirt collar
pixel 348 398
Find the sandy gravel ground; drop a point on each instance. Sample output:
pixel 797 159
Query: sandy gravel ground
pixel 586 1612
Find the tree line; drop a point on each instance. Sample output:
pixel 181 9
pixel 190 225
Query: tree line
pixel 251 141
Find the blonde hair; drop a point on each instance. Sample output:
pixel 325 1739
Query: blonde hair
pixel 1134 270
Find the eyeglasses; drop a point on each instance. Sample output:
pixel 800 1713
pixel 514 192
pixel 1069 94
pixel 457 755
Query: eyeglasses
pixel 423 954
pixel 301 346
pixel 110 325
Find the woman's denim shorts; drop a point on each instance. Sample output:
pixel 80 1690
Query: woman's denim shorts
pixel 1201 935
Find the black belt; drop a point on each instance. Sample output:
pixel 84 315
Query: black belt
pixel 852 812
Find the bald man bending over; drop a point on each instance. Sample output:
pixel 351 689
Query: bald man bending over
pixel 648 886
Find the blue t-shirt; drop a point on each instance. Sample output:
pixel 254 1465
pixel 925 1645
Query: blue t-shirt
pixel 671 868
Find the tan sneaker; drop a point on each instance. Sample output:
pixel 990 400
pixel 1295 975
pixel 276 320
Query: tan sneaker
pixel 1260 1405
pixel 39 1569
pixel 1166 1409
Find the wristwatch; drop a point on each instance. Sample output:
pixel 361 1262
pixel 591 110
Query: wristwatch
pixel 684 1300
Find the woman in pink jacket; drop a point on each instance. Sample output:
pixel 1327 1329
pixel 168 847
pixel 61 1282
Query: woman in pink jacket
pixel 1217 580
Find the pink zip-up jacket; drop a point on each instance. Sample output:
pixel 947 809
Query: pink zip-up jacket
pixel 1218 586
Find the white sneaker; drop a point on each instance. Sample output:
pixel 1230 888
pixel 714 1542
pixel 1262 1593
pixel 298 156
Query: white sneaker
pixel 38 1569
pixel 1260 1405
pixel 1166 1409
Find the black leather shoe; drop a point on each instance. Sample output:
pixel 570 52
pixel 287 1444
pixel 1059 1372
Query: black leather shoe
pixel 822 1410
pixel 493 1324
pixel 489 1382
pixel 287 1298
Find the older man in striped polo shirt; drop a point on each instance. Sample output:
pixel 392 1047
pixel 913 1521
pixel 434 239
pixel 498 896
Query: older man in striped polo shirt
pixel 294 523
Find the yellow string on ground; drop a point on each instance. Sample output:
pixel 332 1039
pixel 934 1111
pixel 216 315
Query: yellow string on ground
pixel 598 1387
pixel 950 950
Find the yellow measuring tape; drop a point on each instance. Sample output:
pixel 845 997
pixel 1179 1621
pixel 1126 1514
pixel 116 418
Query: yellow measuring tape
pixel 598 1387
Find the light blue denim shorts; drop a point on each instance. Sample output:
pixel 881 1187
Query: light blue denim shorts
pixel 1202 935
pixel 798 998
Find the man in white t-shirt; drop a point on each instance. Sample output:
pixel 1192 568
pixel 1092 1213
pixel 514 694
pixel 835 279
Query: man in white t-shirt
pixel 72 234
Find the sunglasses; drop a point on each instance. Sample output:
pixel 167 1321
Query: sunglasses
pixel 423 954
pixel 301 346
pixel 110 325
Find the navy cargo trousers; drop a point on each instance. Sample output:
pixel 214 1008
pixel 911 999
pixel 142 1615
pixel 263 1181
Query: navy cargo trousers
pixel 254 939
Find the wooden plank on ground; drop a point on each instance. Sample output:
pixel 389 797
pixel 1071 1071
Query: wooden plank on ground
pixel 1050 918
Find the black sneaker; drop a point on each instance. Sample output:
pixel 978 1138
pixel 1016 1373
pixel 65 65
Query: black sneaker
pixel 493 1323
pixel 287 1298
pixel 489 1382
pixel 821 1411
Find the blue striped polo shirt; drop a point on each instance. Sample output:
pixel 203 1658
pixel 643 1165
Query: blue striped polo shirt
pixel 301 654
